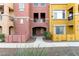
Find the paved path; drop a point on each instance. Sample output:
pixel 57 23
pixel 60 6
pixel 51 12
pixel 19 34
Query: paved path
pixel 39 43
pixel 39 39
pixel 53 49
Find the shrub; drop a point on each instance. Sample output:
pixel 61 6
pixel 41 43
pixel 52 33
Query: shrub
pixel 47 35
pixel 32 52
pixel 2 37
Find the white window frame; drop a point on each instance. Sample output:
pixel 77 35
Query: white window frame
pixel 53 11
pixel 21 6
pixel 43 5
pixel 60 25
pixel 35 5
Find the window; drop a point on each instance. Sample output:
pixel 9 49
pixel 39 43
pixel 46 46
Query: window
pixel 43 4
pixel 11 30
pixel 36 17
pixel 59 29
pixel 21 21
pixel 0 29
pixel 35 4
pixel 42 16
pixel 2 9
pixel 59 14
pixel 21 6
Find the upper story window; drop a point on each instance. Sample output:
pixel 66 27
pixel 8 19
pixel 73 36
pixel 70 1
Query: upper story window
pixel 43 4
pixel 35 4
pixel 1 9
pixel 59 14
pixel 21 6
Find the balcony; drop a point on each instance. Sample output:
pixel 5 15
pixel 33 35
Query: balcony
pixel 11 18
pixel 70 21
pixel 11 6
pixel 39 22
pixel 2 17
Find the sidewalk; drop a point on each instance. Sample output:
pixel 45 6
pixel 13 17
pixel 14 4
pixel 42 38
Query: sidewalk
pixel 38 43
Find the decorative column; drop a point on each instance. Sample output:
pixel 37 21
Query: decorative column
pixel 5 19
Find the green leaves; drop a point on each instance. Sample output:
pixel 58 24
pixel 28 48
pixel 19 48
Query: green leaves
pixel 32 52
pixel 2 37
pixel 47 35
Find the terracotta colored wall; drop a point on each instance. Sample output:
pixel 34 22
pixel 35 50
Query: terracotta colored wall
pixel 22 28
pixel 23 13
pixel 39 9
pixel 26 28
pixel 16 39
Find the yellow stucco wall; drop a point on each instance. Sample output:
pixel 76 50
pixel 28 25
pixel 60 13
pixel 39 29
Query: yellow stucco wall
pixel 72 34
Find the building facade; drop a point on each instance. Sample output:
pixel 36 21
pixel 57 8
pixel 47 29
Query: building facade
pixel 6 20
pixel 21 21
pixel 28 21
pixel 64 22
pixel 39 18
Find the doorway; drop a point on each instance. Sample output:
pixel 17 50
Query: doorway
pixel 38 31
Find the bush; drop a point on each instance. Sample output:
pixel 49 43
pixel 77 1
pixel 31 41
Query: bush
pixel 47 35
pixel 32 52
pixel 2 37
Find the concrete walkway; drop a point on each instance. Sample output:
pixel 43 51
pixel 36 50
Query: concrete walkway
pixel 39 39
pixel 38 43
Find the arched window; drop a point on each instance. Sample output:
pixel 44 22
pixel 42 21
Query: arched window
pixel 0 29
pixel 11 30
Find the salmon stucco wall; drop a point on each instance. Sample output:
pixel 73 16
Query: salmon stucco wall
pixel 39 9
pixel 22 23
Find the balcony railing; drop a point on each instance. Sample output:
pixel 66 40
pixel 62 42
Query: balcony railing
pixel 2 16
pixel 11 18
pixel 70 18
pixel 39 20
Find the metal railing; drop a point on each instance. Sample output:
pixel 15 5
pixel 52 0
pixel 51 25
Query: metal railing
pixel 39 20
pixel 10 17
